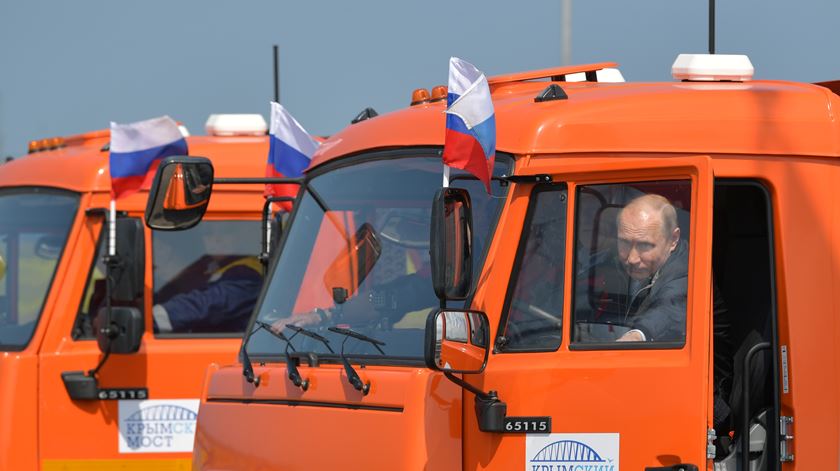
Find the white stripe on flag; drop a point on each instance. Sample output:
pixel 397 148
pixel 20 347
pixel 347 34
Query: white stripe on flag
pixel 475 106
pixel 144 135
pixel 462 75
pixel 286 128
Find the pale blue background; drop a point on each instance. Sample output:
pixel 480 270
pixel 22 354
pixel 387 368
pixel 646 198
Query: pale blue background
pixel 71 66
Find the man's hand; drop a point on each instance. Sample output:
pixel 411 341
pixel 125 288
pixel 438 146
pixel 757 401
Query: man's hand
pixel 300 320
pixel 632 336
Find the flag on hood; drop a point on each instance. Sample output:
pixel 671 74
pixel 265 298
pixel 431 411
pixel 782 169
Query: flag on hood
pixel 136 150
pixel 470 122
pixel 290 152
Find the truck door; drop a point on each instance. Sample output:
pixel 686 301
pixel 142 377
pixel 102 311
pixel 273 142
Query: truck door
pixel 605 325
pixel 201 285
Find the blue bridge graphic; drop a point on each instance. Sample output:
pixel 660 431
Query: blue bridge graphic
pixel 162 412
pixel 566 451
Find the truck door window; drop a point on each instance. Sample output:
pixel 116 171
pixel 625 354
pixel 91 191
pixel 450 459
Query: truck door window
pixel 206 279
pixel 631 264
pixel 535 303
pixel 94 297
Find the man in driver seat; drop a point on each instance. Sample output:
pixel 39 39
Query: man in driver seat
pixel 655 260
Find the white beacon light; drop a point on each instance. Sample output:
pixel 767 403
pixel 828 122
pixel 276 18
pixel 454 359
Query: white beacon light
pixel 608 75
pixel 712 67
pixel 236 125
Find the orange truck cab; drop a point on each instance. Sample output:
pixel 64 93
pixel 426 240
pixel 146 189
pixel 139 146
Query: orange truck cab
pixel 139 412
pixel 650 285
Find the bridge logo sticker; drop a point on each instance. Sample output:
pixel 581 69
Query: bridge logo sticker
pixel 157 426
pixel 572 452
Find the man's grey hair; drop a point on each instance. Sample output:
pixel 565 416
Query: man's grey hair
pixel 655 203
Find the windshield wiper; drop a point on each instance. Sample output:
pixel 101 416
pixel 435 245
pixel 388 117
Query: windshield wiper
pixel 310 334
pixel 247 368
pixel 291 367
pixel 352 333
pixel 353 377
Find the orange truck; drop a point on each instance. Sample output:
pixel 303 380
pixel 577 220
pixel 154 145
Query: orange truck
pixel 138 410
pixel 408 326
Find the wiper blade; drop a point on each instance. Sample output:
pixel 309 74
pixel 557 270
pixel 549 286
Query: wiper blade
pixel 310 334
pixel 358 336
pixel 291 367
pixel 271 331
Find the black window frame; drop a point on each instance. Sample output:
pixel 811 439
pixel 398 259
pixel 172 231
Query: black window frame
pixel 207 335
pixel 498 343
pixel 590 346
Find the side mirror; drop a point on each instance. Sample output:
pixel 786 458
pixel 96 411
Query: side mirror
pixel 457 341
pixel 121 331
pixel 451 243
pixel 129 272
pixel 180 193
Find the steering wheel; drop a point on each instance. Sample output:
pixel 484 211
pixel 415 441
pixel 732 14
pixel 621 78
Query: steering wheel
pixel 539 324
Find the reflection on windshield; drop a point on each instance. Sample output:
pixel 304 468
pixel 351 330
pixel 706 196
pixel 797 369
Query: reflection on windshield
pixel 357 256
pixel 34 224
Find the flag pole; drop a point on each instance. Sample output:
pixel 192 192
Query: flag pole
pixel 445 176
pixel 112 229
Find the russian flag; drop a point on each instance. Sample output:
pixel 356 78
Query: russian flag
pixel 289 153
pixel 136 151
pixel 470 122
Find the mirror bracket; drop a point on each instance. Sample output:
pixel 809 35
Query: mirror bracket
pixel 80 387
pixel 489 410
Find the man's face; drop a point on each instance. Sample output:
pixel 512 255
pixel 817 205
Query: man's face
pixel 643 246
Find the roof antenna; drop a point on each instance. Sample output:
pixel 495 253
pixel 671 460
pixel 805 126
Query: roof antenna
pixel 276 74
pixel 711 26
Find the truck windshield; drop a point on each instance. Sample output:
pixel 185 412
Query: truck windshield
pixel 34 224
pixel 357 255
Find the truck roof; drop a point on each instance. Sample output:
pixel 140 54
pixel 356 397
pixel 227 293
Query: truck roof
pixel 83 166
pixel 752 117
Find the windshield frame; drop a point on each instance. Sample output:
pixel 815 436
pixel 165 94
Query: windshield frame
pixel 33 189
pixel 343 162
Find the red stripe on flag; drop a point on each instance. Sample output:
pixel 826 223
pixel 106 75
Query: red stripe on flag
pixel 284 189
pixel 464 152
pixel 125 186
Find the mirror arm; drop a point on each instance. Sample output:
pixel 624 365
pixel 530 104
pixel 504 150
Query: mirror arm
pixel 469 387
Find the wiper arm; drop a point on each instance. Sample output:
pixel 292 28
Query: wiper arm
pixel 358 336
pixel 291 367
pixel 310 334
pixel 247 368
pixel 353 377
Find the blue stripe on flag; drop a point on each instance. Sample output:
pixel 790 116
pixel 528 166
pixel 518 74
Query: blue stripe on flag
pixel 286 159
pixel 130 164
pixel 485 133
pixel 451 97
pixel 455 123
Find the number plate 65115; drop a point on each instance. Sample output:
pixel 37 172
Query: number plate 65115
pixel 527 425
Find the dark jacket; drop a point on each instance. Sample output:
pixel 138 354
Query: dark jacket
pixel 225 305
pixel 659 307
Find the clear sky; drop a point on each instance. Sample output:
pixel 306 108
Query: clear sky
pixel 72 66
